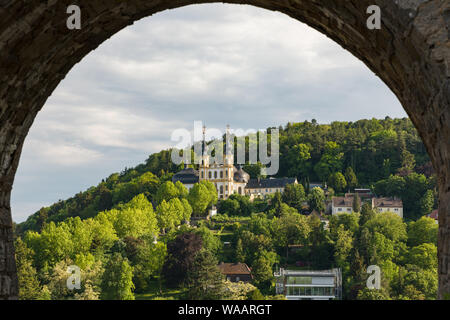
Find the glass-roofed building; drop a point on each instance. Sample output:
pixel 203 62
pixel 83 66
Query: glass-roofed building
pixel 309 285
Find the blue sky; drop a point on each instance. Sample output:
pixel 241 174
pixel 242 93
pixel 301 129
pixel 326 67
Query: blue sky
pixel 221 64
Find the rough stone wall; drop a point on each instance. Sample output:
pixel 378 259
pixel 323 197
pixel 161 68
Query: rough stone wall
pixel 411 54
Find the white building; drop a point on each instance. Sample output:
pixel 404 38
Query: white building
pixel 341 205
pixel 228 178
pixel 261 188
pixel 345 205
pixel 309 285
pixel 388 204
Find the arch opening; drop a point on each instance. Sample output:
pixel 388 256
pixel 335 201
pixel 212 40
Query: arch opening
pixel 410 54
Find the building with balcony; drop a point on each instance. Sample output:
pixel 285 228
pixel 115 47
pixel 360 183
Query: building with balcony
pixel 309 285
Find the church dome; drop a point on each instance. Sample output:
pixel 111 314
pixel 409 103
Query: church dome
pixel 240 175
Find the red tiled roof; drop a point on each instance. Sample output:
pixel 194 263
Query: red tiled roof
pixel 234 268
pixel 343 201
pixel 388 203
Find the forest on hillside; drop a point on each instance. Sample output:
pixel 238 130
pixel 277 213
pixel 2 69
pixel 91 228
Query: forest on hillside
pixel 132 235
pixel 386 155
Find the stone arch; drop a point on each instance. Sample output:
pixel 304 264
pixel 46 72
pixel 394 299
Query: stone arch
pixel 410 53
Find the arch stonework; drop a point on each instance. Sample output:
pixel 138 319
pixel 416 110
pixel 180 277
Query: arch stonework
pixel 411 54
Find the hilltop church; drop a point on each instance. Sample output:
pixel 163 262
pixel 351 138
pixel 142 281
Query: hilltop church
pixel 228 178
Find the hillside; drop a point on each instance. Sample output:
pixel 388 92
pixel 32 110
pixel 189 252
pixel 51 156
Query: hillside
pixel 373 149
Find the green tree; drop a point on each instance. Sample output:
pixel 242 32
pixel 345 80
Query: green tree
pixel 350 177
pixel 205 281
pixel 349 221
pixel 135 222
pixel 297 160
pixel 291 228
pixel 337 182
pixel 167 216
pixel 211 242
pixel 229 207
pixel 390 225
pixel 416 187
pixel 343 246
pixel 276 204
pixel 424 230
pixel 255 295
pixel 182 190
pixel 254 170
pixel 150 259
pixel 316 200
pixel 29 286
pixel 368 294
pixel 52 245
pixel 424 282
pixel 90 281
pixel 427 202
pixel 117 280
pixel 294 196
pixel 330 162
pixel 202 196
pixel 187 212
pixel 237 290
pixel 166 191
pixel 424 256
pixel 356 203
pixel 367 213
pixel 262 269
pixel 240 253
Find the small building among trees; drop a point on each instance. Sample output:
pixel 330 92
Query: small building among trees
pixel 236 272
pixel 346 204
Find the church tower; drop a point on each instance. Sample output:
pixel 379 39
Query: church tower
pixel 204 165
pixel 228 166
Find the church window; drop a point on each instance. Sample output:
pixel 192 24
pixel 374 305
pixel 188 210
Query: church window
pixel 215 174
pixel 210 176
pixel 221 174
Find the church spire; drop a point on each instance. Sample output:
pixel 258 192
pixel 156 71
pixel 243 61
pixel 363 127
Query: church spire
pixel 204 144
pixel 205 156
pixel 229 145
pixel 229 150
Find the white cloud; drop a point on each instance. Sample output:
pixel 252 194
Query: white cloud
pixel 61 154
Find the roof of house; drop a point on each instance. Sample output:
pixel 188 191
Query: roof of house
pixel 363 190
pixel 234 268
pixel 270 183
pixel 186 176
pixel 388 203
pixel 311 273
pixel 361 195
pixel 343 201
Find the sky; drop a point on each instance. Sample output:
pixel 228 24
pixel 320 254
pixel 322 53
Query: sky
pixel 217 63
